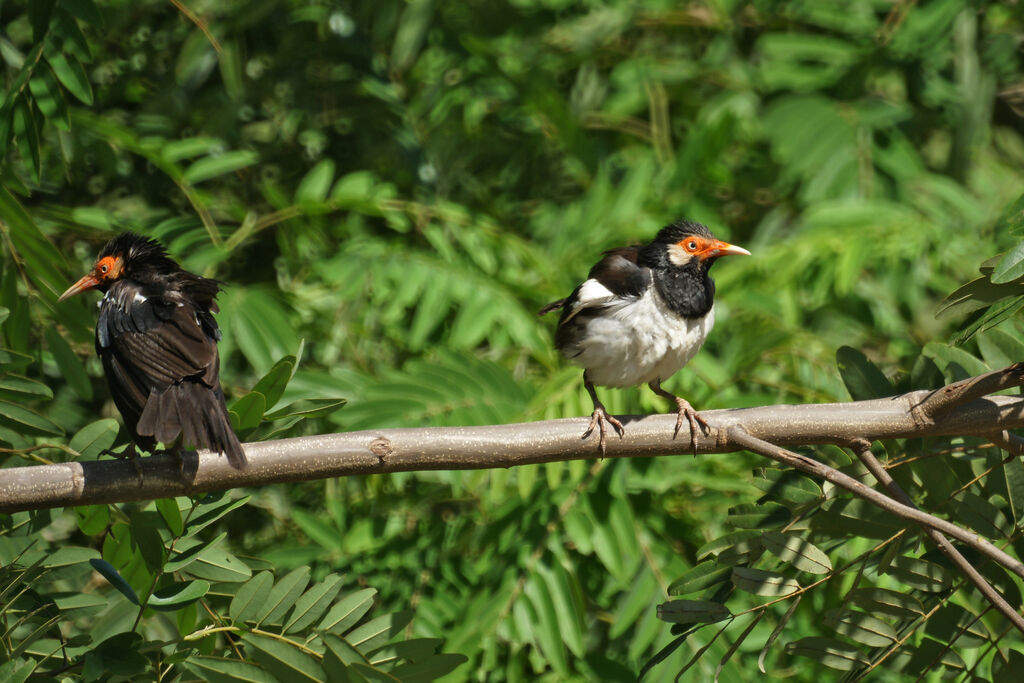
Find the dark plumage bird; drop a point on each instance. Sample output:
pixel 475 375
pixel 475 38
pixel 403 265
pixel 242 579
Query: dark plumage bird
pixel 158 340
pixel 642 313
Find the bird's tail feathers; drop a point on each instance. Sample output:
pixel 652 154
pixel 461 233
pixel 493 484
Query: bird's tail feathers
pixel 191 410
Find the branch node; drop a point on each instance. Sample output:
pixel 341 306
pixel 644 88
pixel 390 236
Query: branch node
pixel 382 448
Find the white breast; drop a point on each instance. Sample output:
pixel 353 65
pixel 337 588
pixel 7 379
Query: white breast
pixel 638 341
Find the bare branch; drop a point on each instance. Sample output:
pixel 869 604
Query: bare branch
pixel 456 448
pixel 823 471
pixel 863 450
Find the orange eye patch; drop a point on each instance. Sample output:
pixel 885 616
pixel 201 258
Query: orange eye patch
pixel 109 268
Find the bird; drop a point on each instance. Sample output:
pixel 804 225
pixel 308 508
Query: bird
pixel 157 339
pixel 640 316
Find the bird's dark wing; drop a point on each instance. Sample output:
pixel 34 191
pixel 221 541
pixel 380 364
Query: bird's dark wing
pixel 619 272
pixel 613 279
pixel 615 276
pixel 161 341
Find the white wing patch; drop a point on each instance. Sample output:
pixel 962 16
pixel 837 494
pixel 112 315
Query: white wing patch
pixel 138 298
pixel 592 293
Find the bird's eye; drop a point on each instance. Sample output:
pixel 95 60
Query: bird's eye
pixel 104 268
pixel 692 245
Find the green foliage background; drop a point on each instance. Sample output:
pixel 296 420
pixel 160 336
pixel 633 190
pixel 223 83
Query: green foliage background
pixel 389 192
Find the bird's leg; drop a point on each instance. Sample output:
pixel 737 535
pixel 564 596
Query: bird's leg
pixel 600 417
pixel 684 409
pixel 129 454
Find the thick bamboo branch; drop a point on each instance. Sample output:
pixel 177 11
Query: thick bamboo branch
pixel 863 450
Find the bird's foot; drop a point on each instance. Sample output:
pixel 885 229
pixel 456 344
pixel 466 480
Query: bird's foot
pixel 600 419
pixel 685 409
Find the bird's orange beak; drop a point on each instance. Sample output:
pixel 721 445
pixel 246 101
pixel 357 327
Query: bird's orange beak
pixel 719 248
pixel 85 284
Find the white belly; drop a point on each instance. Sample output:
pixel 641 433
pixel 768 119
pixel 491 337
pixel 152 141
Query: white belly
pixel 638 342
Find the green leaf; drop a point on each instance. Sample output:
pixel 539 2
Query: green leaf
pixel 247 411
pixel 213 166
pixel 920 574
pixel 313 603
pixel 307 408
pixel 177 595
pixel 348 611
pixel 760 582
pixel 754 516
pixel 248 599
pixel 862 378
pixel 884 601
pixel 861 627
pixel 733 548
pixel 220 670
pixel 273 384
pixel 27 421
pixel 429 669
pixel 168 509
pixel 319 529
pixel 945 356
pixel 339 655
pixel 71 367
pixel 282 660
pixel 954 622
pixel 17 670
pixel 999 348
pixel 1010 267
pixel 832 653
pixel 704 575
pixel 566 597
pixel 283 595
pixel 188 549
pixel 218 565
pixel 69 556
pixel 693 612
pixel 208 513
pixel 1014 472
pixel 108 572
pixel 27 132
pixel 22 387
pixel 94 438
pixel 72 75
pixel 379 631
pixel 788 486
pixel 798 552
pixel 92 519
pixel 316 183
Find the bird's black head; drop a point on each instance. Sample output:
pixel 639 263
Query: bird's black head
pixel 126 256
pixel 685 243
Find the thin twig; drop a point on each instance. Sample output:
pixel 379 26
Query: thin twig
pixel 823 471
pixel 863 450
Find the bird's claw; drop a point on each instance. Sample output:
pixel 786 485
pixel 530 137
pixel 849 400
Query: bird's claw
pixel 685 409
pixel 599 418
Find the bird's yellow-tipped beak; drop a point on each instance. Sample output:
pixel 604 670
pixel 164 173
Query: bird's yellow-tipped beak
pixel 85 284
pixel 719 248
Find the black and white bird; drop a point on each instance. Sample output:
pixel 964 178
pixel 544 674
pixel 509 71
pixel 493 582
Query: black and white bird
pixel 157 338
pixel 642 313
